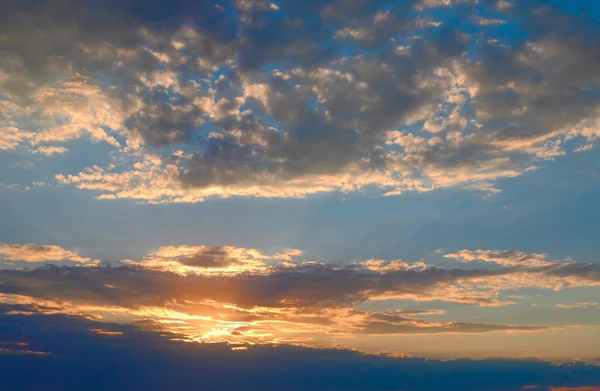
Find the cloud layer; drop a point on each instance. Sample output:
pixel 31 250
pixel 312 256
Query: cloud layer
pixel 53 345
pixel 224 293
pixel 263 99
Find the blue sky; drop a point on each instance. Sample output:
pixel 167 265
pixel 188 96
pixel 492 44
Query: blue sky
pixel 409 178
pixel 552 210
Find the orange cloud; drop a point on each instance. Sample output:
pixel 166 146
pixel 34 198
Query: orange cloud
pixel 504 258
pixel 23 351
pixel 38 253
pixel 212 259
pixel 106 332
pixel 49 151
pixel 225 293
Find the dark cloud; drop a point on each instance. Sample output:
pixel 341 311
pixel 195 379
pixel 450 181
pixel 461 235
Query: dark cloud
pixel 288 99
pixel 583 271
pixel 164 122
pixel 125 357
pixel 358 104
pixel 302 287
pixel 210 257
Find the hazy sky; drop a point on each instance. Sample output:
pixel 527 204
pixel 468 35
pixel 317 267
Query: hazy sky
pixel 409 178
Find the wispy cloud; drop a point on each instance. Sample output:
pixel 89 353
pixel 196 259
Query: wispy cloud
pixel 579 305
pixel 504 258
pixel 38 253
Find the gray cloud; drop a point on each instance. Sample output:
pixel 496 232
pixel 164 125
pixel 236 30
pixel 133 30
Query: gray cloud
pixel 289 100
pixel 585 271
pixel 303 286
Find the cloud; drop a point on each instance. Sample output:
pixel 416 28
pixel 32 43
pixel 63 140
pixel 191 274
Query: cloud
pixel 255 279
pixel 38 253
pixel 289 100
pixel 211 259
pixel 10 137
pixel 584 271
pixel 106 332
pixel 487 22
pixel 49 151
pixel 504 258
pixel 579 305
pixel 216 293
pixel 224 366
pixel 306 285
pixel 389 324
pixel 382 266
pixel 423 4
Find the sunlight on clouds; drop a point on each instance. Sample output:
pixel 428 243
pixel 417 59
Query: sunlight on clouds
pixel 504 258
pixel 482 104
pixel 106 332
pixel 579 305
pixel 237 295
pixel 210 259
pixel 217 123
pixel 64 111
pixel 49 151
pixel 218 322
pixel 22 351
pixel 38 253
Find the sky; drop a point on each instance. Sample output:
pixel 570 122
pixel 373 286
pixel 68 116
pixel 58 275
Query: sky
pixel 285 195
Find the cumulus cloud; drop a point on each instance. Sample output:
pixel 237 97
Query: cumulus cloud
pixel 39 253
pixel 285 100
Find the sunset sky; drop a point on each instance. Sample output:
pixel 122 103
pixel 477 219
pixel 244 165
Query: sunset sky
pixel 290 195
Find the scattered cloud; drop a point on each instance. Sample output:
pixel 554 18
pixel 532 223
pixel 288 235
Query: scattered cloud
pixel 248 105
pixel 192 101
pixel 487 22
pixel 49 151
